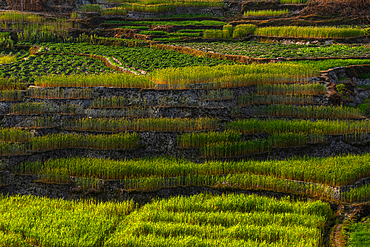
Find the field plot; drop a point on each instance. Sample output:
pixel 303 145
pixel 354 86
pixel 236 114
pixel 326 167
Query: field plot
pixel 56 222
pixel 137 58
pixel 228 220
pixel 275 50
pixel 36 66
pixel 358 233
pixel 185 123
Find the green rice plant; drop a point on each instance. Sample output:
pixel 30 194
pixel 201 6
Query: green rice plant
pixel 171 23
pixel 233 75
pixel 114 11
pixel 294 140
pixel 7 59
pixel 129 112
pixel 216 95
pixel 151 32
pixel 91 8
pixel 111 102
pixel 232 149
pixel 11 95
pixel 10 149
pixel 292 89
pixel 11 84
pixel 245 100
pixel 190 140
pixel 309 111
pixel 135 27
pixel 57 222
pixel 329 171
pixel 268 12
pixel 330 63
pixel 216 34
pixel 121 80
pixel 12 240
pixel 29 108
pixel 243 30
pixel 144 124
pixel 41 122
pixel 59 93
pixel 164 6
pixel 356 231
pixel 14 135
pixel 293 1
pixel 228 148
pixel 17 16
pixel 207 220
pixel 310 32
pixel 56 141
pixel 356 194
pixel 322 127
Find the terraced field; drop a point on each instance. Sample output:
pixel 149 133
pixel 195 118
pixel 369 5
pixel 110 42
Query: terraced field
pixel 237 134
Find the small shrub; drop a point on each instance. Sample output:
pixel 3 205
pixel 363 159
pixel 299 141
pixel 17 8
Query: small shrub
pixel 229 29
pixel 244 30
pixel 340 88
pixel 216 34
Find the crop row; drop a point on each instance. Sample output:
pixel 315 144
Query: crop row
pixel 245 126
pixel 145 124
pixel 227 149
pixel 58 93
pixel 275 50
pixel 127 80
pixel 173 222
pixel 331 171
pixel 136 58
pixel 310 32
pixel 292 89
pixel 268 12
pixel 235 75
pixel 35 66
pixel 42 107
pixel 324 127
pixel 11 95
pixel 56 141
pixel 246 100
pixel 309 111
pixel 240 220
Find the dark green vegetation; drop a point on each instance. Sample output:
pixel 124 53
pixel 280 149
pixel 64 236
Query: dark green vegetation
pixel 358 233
pixel 275 50
pixel 142 58
pixel 99 107
pixel 26 70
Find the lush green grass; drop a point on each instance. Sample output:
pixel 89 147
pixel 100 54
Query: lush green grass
pixel 205 220
pixel 40 221
pixel 358 232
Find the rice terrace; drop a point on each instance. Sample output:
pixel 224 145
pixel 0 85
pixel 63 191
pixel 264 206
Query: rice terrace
pixel 185 123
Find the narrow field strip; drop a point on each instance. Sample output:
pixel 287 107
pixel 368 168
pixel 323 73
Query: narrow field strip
pixel 332 171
